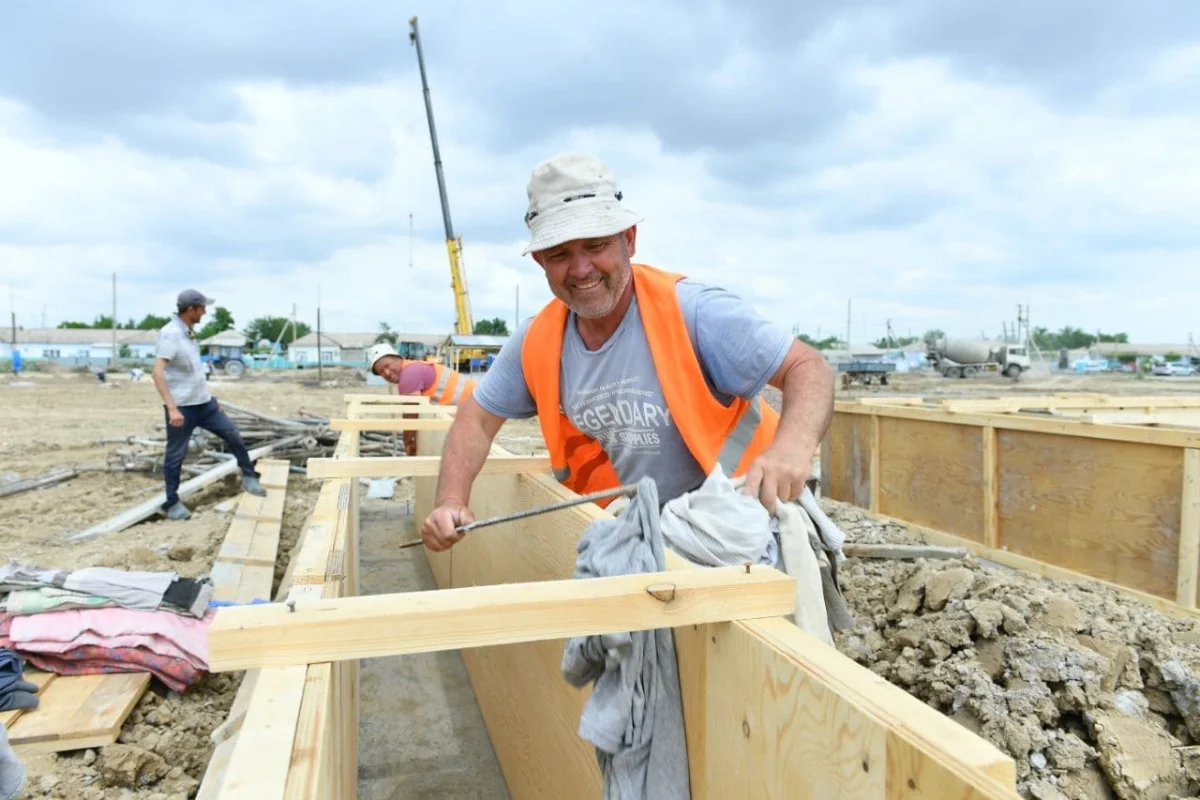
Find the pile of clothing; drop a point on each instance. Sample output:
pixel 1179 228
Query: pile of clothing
pixel 103 620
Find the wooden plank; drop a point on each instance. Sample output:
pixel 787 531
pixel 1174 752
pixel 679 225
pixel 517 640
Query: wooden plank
pixel 386 399
pixel 77 712
pixel 186 489
pixel 1029 422
pixel 848 466
pixel 1106 509
pixel 1188 581
pixel 452 619
pixel 411 466
pixel 392 425
pixel 39 679
pixel 1186 417
pixel 876 448
pixel 991 476
pixel 932 473
pixel 269 508
pixel 259 764
pixel 1072 401
pixel 380 413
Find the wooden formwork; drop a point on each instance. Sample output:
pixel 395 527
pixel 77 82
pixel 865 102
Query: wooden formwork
pixel 1068 486
pixel 293 731
pixel 770 712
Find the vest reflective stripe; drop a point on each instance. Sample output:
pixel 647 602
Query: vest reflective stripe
pixel 435 391
pixel 458 392
pixel 739 438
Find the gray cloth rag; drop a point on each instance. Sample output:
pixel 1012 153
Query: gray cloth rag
pixel 716 525
pixel 12 771
pixel 139 590
pixel 15 692
pixel 634 715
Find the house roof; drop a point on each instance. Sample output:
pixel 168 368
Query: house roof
pixel 229 338
pixel 1113 348
pixel 477 340
pixel 83 336
pixel 335 339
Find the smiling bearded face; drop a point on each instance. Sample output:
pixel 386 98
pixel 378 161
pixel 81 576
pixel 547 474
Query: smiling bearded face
pixel 590 275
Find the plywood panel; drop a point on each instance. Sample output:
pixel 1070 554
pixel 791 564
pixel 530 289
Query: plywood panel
pixel 1106 509
pixel 788 719
pixel 931 473
pixel 536 743
pixel 774 732
pixel 848 464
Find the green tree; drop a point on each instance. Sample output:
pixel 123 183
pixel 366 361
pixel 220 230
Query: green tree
pixel 932 335
pixel 71 325
pixel 221 320
pixel 271 328
pixel 386 334
pixel 150 322
pixel 899 341
pixel 828 343
pixel 491 327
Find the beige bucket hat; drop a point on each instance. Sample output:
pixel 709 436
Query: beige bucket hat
pixel 574 196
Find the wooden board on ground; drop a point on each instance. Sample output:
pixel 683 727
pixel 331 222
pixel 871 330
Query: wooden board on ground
pixel 39 679
pixel 243 570
pixel 77 712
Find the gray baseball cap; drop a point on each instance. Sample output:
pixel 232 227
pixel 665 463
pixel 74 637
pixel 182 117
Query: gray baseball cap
pixel 190 297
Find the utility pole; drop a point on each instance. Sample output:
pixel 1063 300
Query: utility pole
pixel 112 361
pixel 848 353
pixel 320 355
pixel 517 318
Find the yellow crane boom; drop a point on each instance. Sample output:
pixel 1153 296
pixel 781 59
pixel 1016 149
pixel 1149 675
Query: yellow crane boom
pixel 464 323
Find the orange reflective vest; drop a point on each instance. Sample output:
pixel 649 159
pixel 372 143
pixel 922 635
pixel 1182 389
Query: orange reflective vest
pixel 449 387
pixel 732 436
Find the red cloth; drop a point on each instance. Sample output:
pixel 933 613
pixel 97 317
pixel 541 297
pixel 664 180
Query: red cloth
pixel 176 673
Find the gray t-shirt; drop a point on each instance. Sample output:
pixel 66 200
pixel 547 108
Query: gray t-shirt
pixel 613 394
pixel 184 371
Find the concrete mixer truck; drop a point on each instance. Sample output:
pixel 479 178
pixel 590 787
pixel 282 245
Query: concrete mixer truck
pixel 965 358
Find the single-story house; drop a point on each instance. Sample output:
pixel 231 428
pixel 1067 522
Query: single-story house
pixel 350 349
pixel 72 346
pixel 227 344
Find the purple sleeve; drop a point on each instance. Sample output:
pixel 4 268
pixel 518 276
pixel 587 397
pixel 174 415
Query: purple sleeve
pixel 416 377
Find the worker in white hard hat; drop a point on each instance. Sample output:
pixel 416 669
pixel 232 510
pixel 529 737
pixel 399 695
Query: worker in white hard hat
pixel 441 384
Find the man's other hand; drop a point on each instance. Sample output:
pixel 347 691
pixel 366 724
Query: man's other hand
pixel 779 473
pixel 438 531
pixel 175 417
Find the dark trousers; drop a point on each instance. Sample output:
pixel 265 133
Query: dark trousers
pixel 210 417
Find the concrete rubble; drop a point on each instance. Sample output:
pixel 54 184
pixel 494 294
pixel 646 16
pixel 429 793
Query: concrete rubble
pixel 1092 694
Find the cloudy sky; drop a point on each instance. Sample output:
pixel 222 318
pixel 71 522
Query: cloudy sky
pixel 936 162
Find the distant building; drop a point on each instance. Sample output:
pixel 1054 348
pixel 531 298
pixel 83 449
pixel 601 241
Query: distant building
pixel 350 349
pixel 73 346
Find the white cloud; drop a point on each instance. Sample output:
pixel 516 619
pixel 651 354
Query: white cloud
pixel 943 202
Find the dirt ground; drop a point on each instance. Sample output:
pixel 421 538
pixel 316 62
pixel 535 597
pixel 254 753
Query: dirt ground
pixel 1094 696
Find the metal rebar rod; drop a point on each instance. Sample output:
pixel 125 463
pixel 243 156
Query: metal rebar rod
pixel 627 490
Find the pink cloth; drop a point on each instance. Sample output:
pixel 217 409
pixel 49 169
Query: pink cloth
pixel 161 632
pixel 417 376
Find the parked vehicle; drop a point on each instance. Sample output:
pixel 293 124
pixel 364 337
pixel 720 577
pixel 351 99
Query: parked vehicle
pixel 1177 368
pixel 965 358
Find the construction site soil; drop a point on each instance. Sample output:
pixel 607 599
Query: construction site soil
pixel 1093 695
